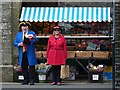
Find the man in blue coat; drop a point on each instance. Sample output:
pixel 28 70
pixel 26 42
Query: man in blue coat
pixel 24 40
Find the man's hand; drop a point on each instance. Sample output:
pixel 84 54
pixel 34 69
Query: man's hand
pixel 30 36
pixel 20 44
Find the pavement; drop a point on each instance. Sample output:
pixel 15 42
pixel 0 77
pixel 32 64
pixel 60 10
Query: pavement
pixel 64 86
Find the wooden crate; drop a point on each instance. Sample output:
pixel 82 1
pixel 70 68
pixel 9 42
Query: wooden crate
pixel 100 54
pixel 71 54
pixel 38 54
pixel 84 54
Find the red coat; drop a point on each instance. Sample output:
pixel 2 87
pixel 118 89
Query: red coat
pixel 56 50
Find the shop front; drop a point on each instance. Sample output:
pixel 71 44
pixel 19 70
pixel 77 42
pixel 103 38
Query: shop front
pixel 88 34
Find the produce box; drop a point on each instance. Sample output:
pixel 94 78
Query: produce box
pixel 100 54
pixel 84 54
pixel 71 54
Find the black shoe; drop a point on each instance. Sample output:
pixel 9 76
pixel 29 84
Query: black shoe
pixel 25 82
pixel 32 82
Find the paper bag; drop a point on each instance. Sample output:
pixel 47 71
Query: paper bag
pixel 64 71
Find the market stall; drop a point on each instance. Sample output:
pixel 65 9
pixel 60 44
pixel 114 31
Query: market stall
pixel 86 29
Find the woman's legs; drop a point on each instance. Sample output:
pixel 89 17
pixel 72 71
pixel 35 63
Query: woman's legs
pixel 56 73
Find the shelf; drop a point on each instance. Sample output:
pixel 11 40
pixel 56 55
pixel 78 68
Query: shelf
pixel 81 58
pixel 84 37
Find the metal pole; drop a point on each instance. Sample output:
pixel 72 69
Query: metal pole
pixel 113 47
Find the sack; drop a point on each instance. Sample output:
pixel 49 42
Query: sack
pixel 64 71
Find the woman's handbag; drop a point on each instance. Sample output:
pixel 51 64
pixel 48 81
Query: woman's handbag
pixel 64 71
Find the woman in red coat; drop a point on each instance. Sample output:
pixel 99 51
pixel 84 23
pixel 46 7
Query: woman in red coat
pixel 56 54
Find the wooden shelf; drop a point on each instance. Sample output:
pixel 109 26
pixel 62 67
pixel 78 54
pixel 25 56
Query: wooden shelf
pixel 81 58
pixel 84 37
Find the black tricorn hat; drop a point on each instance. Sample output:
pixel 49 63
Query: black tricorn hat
pixel 24 24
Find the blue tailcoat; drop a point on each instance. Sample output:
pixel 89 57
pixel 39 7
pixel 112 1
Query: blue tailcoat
pixel 30 48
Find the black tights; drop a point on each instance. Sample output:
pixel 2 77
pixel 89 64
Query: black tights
pixel 56 73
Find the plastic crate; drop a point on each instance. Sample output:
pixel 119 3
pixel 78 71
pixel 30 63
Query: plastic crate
pixel 107 75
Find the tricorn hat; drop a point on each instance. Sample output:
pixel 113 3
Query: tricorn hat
pixel 24 24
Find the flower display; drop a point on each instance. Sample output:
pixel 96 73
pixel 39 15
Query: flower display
pixel 93 68
pixel 42 68
pixel 17 68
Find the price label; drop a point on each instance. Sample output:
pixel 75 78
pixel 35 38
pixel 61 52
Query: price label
pixel 95 77
pixel 21 77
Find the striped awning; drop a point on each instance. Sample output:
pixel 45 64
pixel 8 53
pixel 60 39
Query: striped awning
pixel 81 14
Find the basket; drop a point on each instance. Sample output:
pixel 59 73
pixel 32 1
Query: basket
pixel 84 54
pixel 71 54
pixel 100 54
pixel 38 54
